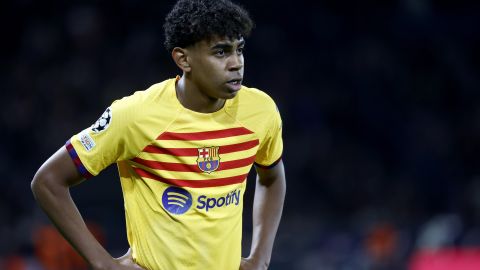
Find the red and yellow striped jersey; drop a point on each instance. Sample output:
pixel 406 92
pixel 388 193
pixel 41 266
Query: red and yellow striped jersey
pixel 182 172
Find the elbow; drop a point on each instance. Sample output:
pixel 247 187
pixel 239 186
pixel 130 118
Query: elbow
pixel 38 184
pixel 43 182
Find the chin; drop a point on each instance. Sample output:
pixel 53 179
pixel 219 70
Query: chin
pixel 230 95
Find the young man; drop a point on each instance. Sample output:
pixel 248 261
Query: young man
pixel 183 149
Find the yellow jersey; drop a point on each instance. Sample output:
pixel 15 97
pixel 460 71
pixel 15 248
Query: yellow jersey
pixel 183 173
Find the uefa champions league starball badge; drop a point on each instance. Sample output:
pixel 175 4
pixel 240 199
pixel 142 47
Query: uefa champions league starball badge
pixel 103 122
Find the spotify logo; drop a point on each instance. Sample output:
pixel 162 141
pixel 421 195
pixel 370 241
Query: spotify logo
pixel 176 200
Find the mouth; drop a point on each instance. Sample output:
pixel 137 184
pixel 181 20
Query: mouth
pixel 235 84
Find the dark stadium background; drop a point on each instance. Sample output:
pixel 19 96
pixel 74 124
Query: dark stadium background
pixel 380 103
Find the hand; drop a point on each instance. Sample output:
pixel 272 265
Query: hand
pixel 126 262
pixel 250 264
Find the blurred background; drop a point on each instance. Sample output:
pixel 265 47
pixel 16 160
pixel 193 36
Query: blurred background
pixel 380 103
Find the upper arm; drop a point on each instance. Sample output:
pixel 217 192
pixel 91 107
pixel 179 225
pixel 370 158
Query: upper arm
pixel 271 142
pixel 59 169
pixel 267 176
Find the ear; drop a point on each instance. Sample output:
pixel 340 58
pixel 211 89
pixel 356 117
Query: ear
pixel 180 56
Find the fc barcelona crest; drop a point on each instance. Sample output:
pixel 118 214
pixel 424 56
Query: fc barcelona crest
pixel 208 159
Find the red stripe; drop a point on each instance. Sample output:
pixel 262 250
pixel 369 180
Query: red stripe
pixel 194 183
pixel 69 146
pixel 233 164
pixel 76 160
pixel 237 147
pixel 179 167
pixel 204 135
pixel 193 152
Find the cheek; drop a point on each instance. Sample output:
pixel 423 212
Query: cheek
pixel 213 69
pixel 209 70
pixel 215 65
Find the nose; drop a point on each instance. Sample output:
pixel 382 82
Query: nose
pixel 236 62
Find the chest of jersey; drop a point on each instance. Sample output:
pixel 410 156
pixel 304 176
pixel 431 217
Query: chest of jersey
pixel 197 165
pixel 200 159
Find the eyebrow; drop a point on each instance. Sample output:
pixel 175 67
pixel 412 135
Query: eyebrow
pixel 226 45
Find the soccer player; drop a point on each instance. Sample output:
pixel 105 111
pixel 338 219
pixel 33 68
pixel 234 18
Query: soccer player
pixel 183 148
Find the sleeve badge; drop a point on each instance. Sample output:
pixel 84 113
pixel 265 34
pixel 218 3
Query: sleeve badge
pixel 103 122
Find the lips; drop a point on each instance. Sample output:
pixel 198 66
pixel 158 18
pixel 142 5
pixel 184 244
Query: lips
pixel 237 80
pixel 235 84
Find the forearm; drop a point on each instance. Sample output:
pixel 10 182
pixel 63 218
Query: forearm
pixel 267 212
pixel 57 203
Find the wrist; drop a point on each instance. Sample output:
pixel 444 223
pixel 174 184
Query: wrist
pixel 259 261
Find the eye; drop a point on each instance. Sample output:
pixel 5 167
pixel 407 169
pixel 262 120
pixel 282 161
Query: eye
pixel 220 52
pixel 240 50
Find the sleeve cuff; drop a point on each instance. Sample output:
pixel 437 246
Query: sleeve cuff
pixel 269 166
pixel 76 160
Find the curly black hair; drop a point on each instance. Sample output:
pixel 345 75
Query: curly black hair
pixel 191 21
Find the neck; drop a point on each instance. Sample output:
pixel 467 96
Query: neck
pixel 190 96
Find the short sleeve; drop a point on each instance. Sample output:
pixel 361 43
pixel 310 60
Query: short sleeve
pixel 271 147
pixel 105 142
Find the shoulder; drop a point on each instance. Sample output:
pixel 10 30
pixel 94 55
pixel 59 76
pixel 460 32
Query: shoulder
pixel 156 97
pixel 256 100
pixel 155 93
pixel 142 106
pixel 254 109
